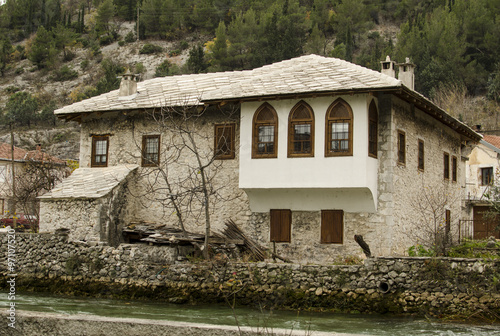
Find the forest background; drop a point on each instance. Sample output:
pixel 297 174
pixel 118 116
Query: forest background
pixel 55 52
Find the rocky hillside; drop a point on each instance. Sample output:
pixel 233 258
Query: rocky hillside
pixel 63 139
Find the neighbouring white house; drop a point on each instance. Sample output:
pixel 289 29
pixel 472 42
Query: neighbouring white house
pixel 308 152
pixel 481 172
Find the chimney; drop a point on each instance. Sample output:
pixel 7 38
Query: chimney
pixel 388 67
pixel 38 147
pixel 128 85
pixel 407 74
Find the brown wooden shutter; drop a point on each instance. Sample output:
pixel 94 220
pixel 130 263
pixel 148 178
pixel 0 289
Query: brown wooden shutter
pixel 332 226
pixel 281 224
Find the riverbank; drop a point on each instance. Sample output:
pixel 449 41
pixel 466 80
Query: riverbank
pixel 36 323
pixel 438 287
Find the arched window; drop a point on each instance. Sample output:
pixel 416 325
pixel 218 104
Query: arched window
pixel 338 129
pixel 301 131
pixel 265 132
pixel 372 130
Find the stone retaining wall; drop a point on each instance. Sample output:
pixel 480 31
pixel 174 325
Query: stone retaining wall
pixel 436 286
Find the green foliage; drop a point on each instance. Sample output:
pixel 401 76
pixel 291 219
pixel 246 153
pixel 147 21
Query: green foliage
pixel 130 37
pixel 5 51
pixel 109 80
pixel 166 69
pixel 42 52
pixel 65 73
pixel 196 61
pixel 475 249
pixel 106 39
pixel 140 68
pixel 420 251
pixel 47 114
pixel 149 48
pixel 105 13
pixel 21 108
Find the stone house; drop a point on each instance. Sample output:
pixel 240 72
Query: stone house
pixel 308 152
pixel 481 172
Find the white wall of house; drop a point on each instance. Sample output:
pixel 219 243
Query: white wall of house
pixel 310 183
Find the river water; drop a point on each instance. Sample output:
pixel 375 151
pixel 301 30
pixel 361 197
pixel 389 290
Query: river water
pixel 213 314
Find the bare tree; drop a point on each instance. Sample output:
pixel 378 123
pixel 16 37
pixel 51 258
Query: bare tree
pixel 33 179
pixel 433 226
pixel 184 166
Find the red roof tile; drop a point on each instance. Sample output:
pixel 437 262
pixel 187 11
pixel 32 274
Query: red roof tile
pixel 6 152
pixel 23 155
pixel 493 139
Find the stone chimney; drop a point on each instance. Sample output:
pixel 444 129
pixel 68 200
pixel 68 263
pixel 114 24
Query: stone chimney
pixel 388 67
pixel 407 74
pixel 38 147
pixel 128 85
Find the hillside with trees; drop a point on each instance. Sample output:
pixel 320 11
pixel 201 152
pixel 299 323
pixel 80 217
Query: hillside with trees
pixel 55 52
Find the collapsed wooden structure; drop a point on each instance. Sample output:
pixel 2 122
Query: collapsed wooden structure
pixel 160 234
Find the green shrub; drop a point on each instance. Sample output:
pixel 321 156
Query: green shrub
pixel 420 251
pixel 130 37
pixel 149 48
pixel 84 64
pixel 105 40
pixel 140 68
pixel 475 249
pixel 121 43
pixel 69 56
pixel 65 73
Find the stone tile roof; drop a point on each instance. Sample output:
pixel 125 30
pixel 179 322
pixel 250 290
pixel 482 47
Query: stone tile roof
pixel 492 139
pixel 182 90
pixel 304 74
pixel 90 182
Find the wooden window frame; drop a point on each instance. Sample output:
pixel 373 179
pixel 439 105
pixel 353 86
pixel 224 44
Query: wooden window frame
pixel 373 130
pixel 446 165
pixel 292 122
pixel 280 225
pixel 95 139
pixel 144 157
pixel 255 133
pixel 329 225
pixel 329 121
pixel 421 155
pixel 490 180
pixel 230 141
pixel 401 148
pixel 454 168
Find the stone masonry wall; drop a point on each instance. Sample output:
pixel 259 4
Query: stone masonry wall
pixel 90 220
pixel 46 262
